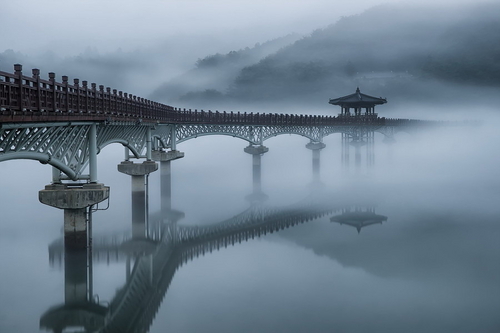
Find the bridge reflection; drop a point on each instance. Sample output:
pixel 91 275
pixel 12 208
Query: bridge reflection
pixel 151 261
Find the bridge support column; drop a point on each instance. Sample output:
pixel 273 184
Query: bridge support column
pixel 75 200
pixel 138 173
pixel 357 144
pixel 345 152
pixel 316 149
pixel 256 152
pixel 165 158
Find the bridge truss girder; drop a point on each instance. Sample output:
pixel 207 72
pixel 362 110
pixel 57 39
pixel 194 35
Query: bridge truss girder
pixel 256 134
pixel 66 145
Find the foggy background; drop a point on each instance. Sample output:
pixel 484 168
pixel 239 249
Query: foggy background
pixel 248 55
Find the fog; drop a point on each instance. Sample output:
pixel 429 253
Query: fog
pixel 433 266
pixel 140 47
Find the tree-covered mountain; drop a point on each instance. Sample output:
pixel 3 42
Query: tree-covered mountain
pixel 214 73
pixel 391 50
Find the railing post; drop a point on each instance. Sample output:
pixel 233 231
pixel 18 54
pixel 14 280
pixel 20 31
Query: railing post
pixel 114 107
pixel 66 92
pixel 126 102
pixel 94 100
pixel 52 79
pixel 18 72
pixel 86 89
pixel 101 99
pixel 76 82
pixel 121 103
pixel 108 100
pixel 36 77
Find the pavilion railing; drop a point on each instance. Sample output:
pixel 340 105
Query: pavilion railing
pixel 25 98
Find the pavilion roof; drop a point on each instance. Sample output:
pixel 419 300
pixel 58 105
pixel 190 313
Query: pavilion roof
pixel 357 100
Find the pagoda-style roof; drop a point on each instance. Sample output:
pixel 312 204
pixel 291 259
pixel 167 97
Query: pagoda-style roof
pixel 358 100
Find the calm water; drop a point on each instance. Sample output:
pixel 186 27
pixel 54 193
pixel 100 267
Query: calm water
pixel 432 266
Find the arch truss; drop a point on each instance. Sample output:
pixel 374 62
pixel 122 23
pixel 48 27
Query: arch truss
pixel 68 147
pixel 257 134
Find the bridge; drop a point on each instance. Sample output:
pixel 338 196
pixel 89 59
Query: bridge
pixel 66 125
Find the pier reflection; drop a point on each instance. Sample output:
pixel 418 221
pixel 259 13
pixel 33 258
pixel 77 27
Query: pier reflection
pixel 152 260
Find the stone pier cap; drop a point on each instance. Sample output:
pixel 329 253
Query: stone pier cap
pixel 315 145
pixel 73 196
pixel 164 156
pixel 256 150
pixel 137 169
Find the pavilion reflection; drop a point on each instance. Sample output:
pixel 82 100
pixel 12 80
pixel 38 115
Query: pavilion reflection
pixel 358 217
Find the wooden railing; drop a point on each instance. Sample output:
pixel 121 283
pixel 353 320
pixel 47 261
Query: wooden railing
pixel 20 93
pixel 33 99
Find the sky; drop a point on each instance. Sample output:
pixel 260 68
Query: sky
pixel 67 27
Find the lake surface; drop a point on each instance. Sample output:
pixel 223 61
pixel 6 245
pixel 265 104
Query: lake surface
pixel 433 265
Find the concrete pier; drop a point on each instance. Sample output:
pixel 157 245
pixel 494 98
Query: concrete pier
pixel 75 200
pixel 316 149
pixel 256 152
pixel 165 157
pixel 138 171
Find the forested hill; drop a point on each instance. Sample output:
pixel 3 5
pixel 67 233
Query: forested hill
pixel 389 50
pixel 216 72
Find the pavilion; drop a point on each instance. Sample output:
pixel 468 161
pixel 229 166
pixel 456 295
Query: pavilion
pixel 357 102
